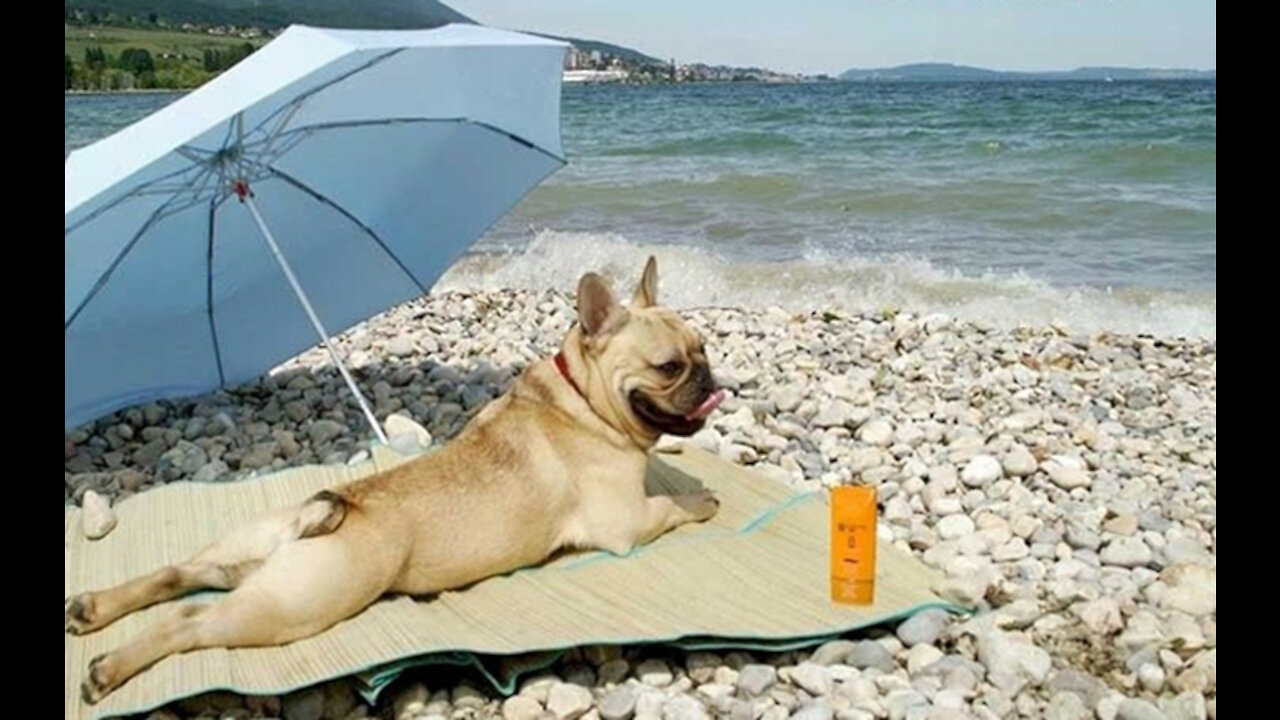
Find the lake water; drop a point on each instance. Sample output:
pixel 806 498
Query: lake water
pixel 1090 204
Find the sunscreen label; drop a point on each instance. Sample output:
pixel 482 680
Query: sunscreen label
pixel 853 545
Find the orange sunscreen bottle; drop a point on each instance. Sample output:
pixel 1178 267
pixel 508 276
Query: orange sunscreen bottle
pixel 853 545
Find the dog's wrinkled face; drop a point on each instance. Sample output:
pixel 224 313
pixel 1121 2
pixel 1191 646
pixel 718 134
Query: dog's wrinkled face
pixel 654 366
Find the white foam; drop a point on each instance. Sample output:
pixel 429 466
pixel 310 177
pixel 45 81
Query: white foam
pixel 693 277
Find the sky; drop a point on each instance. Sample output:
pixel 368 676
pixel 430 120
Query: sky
pixel 817 36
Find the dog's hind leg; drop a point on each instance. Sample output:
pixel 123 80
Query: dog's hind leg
pixel 221 566
pixel 302 589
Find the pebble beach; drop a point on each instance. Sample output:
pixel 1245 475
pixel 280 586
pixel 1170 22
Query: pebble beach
pixel 1065 484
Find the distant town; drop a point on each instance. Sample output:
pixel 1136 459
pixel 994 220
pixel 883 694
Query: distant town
pixel 598 66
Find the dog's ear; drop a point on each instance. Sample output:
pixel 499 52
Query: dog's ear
pixel 598 309
pixel 647 291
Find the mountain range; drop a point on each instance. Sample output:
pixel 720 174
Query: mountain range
pixel 945 72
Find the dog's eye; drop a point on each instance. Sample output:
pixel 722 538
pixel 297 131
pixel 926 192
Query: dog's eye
pixel 672 367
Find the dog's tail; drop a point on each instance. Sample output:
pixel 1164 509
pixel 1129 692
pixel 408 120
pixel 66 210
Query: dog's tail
pixel 322 514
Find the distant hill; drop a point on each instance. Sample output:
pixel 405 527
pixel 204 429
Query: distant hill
pixel 946 72
pixel 271 14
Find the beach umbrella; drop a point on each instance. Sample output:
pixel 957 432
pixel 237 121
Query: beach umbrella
pixel 324 179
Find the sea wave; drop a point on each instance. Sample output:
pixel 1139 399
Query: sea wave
pixel 818 281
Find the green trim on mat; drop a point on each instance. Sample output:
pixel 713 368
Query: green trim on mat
pixel 387 674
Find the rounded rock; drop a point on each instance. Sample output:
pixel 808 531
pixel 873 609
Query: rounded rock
pixel 980 471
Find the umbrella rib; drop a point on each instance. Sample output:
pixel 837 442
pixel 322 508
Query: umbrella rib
pixel 134 191
pixel 208 292
pixel 307 129
pixel 321 197
pixel 102 280
pixel 302 98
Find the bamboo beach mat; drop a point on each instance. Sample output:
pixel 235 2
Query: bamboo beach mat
pixel 756 576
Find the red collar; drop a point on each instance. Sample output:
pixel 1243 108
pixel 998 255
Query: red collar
pixel 563 366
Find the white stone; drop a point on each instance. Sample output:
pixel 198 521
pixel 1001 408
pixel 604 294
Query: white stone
pixel 920 657
pixel 753 680
pixel 654 673
pixel 521 707
pixel 876 432
pixel 1134 709
pixel 1018 462
pixel 1192 589
pixel 1126 552
pixel 405 435
pixel 1152 677
pixel 568 702
pixel 980 471
pixel 683 707
pixel 1067 476
pixel 924 627
pixel 812 678
pixel 618 704
pixel 1012 664
pixel 96 516
pixel 954 526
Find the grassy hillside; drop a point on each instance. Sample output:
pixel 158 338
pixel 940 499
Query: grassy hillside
pixel 127 58
pixel 158 42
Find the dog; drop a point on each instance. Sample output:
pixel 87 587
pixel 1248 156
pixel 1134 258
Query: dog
pixel 557 463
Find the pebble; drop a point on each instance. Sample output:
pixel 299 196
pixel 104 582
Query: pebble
pixel 980 471
pixel 568 702
pixel 923 628
pixel 831 653
pixel 954 526
pixel 405 435
pixel 1067 475
pixel 618 704
pixel 812 678
pixel 870 654
pixel 1067 706
pixel 1018 462
pixel 754 680
pixel 876 432
pixel 1191 588
pixel 1126 552
pixel 521 707
pixel 1012 664
pixel 1134 709
pixel 654 673
pixel 97 519
pixel 683 707
pixel 1064 484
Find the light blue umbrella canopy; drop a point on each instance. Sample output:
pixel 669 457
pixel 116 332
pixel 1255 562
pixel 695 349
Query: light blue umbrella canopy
pixel 367 161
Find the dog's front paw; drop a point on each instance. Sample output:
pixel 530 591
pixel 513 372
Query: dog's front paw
pixel 701 506
pixel 99 680
pixel 78 614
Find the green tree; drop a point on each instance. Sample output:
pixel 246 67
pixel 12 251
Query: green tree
pixel 212 60
pixel 70 72
pixel 95 59
pixel 137 61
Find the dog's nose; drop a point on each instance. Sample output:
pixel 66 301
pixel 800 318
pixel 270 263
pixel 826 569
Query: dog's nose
pixel 702 377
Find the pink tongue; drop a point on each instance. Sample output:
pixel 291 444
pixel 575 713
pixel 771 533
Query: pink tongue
pixel 707 407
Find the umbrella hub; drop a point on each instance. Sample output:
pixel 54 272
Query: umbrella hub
pixel 226 156
pixel 240 187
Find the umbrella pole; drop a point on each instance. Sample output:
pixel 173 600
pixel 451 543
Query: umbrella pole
pixel 315 319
